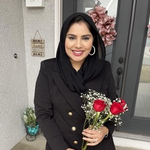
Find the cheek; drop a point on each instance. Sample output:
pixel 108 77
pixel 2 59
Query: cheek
pixel 68 48
pixel 88 46
pixel 68 44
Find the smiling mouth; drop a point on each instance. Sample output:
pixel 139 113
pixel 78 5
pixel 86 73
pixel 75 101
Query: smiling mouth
pixel 77 52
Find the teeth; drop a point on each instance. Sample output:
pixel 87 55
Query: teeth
pixel 78 52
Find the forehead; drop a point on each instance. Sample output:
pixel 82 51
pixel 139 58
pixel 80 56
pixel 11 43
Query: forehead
pixel 79 27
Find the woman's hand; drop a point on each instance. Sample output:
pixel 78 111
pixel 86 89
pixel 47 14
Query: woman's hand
pixel 94 137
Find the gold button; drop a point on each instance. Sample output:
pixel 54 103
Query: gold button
pixel 73 128
pixel 75 142
pixel 70 113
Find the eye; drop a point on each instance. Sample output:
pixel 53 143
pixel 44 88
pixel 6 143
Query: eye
pixel 86 38
pixel 71 37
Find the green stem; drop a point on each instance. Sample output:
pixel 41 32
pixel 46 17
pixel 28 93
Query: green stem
pixel 85 146
pixel 95 119
pixel 104 120
pixel 83 128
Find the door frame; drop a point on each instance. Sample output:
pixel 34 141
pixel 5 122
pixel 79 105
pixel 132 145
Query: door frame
pixel 58 22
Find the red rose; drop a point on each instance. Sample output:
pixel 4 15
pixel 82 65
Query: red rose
pixel 99 105
pixel 123 103
pixel 118 107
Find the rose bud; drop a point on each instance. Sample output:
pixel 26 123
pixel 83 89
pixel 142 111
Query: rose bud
pixel 99 105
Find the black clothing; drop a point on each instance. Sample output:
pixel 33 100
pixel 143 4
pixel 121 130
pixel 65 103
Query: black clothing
pixel 58 88
pixel 54 102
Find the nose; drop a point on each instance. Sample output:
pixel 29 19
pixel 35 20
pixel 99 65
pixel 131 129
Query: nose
pixel 78 43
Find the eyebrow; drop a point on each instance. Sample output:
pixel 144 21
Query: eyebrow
pixel 82 35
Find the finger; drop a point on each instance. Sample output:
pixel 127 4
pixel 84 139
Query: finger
pixel 90 140
pixel 89 131
pixel 88 135
pixel 92 134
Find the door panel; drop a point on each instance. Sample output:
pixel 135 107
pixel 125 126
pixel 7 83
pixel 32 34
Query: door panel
pixel 69 7
pixel 132 123
pixel 142 106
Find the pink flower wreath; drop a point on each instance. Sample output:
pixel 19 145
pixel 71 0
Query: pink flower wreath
pixel 104 23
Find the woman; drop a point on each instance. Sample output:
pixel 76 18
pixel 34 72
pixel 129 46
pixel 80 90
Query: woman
pixel 79 65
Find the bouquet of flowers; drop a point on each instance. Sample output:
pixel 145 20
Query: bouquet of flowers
pixel 99 109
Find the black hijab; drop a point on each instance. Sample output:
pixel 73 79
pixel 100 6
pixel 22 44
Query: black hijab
pixel 92 65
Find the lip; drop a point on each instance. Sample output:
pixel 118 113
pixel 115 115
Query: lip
pixel 77 52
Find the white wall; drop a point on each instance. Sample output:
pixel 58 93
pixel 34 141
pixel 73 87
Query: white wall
pixel 18 25
pixel 13 82
pixel 41 19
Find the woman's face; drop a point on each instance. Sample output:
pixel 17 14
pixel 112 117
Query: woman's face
pixel 78 43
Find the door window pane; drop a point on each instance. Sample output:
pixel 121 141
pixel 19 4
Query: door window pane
pixel 111 7
pixel 142 107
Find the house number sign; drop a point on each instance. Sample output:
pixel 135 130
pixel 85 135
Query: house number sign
pixel 37 45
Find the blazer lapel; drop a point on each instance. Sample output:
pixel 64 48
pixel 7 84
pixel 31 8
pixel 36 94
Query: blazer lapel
pixel 72 98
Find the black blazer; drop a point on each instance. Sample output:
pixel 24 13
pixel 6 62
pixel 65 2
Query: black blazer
pixel 58 110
